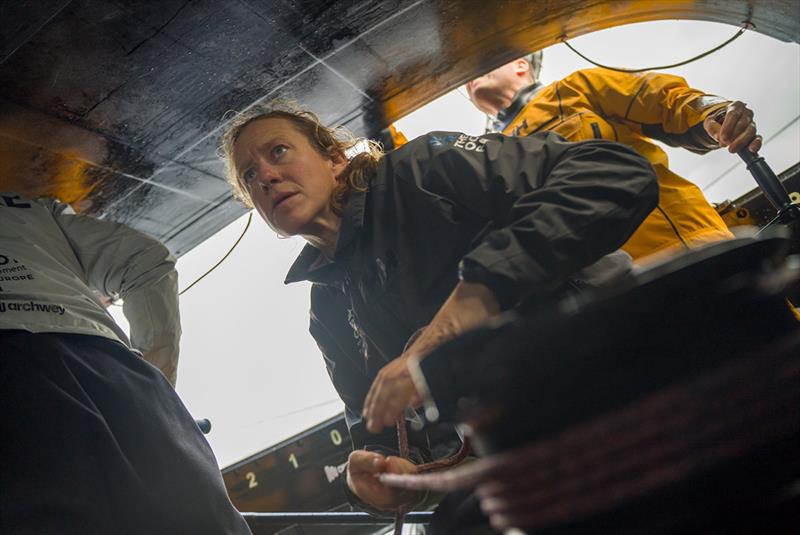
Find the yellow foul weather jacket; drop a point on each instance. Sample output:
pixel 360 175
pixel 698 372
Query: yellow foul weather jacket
pixel 633 109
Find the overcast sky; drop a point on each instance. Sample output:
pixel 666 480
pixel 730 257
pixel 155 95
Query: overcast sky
pixel 247 360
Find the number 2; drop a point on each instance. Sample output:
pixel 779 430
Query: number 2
pixel 251 480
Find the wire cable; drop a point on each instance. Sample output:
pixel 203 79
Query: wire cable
pixel 221 260
pixel 293 412
pixel 661 67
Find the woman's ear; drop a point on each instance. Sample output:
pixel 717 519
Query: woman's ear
pixel 339 162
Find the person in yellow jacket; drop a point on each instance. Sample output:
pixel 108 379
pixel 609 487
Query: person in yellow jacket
pixel 633 109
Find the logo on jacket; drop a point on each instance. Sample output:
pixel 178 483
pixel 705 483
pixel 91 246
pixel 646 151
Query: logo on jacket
pixel 438 141
pixel 31 306
pixel 472 143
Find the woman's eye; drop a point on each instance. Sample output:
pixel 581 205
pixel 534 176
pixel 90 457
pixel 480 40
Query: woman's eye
pixel 279 150
pixel 249 175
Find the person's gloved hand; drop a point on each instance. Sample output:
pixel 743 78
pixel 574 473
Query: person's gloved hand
pixel 734 129
pixel 363 469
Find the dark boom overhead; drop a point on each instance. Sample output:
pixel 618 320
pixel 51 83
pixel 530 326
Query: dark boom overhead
pixel 117 107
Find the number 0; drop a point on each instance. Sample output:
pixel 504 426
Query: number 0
pixel 336 437
pixel 251 480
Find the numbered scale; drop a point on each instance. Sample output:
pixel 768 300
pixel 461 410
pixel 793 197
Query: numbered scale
pixel 303 473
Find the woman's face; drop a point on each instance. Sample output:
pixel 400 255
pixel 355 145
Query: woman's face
pixel 289 181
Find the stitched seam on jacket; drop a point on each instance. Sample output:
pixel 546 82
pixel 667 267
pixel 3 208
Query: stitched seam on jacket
pixel 636 95
pixel 558 96
pixel 549 127
pixel 671 224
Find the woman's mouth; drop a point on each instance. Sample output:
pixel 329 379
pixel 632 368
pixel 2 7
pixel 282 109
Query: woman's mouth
pixel 281 198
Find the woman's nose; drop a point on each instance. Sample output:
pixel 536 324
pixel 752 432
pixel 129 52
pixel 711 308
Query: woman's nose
pixel 268 176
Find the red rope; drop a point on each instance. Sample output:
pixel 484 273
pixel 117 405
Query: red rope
pixel 433 466
pixel 402 446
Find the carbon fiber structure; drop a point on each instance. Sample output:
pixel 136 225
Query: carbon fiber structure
pixel 117 107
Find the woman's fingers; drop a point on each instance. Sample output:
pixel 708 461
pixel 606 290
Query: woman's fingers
pixel 390 393
pixel 363 469
pixel 365 462
pixel 387 405
pixel 398 465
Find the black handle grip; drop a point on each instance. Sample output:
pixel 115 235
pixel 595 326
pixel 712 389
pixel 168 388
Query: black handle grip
pixel 766 179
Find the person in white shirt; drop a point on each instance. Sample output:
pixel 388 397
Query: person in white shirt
pixel 95 439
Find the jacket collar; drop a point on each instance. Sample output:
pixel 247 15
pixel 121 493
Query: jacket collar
pixel 519 101
pixel 311 264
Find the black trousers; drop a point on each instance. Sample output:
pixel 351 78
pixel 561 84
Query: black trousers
pixel 94 440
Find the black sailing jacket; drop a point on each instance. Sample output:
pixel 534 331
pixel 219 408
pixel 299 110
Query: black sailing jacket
pixel 521 215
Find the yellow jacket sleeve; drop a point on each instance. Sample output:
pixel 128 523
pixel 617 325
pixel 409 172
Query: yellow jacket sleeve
pixel 661 106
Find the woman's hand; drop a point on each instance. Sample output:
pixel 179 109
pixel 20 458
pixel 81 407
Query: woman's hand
pixel 391 391
pixel 468 306
pixel 363 469
pixel 736 130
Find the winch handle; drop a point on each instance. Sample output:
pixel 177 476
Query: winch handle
pixel 766 179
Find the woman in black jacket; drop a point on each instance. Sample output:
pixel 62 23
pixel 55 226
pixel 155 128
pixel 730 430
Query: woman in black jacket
pixel 443 233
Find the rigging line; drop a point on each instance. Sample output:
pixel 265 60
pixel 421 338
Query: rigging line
pixel 660 67
pixel 221 260
pixel 11 46
pixel 462 94
pixel 739 163
pixel 294 412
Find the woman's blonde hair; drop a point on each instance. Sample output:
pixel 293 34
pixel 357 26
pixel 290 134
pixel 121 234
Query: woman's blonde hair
pixel 364 154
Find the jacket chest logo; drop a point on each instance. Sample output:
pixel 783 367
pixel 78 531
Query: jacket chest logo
pixel 470 143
